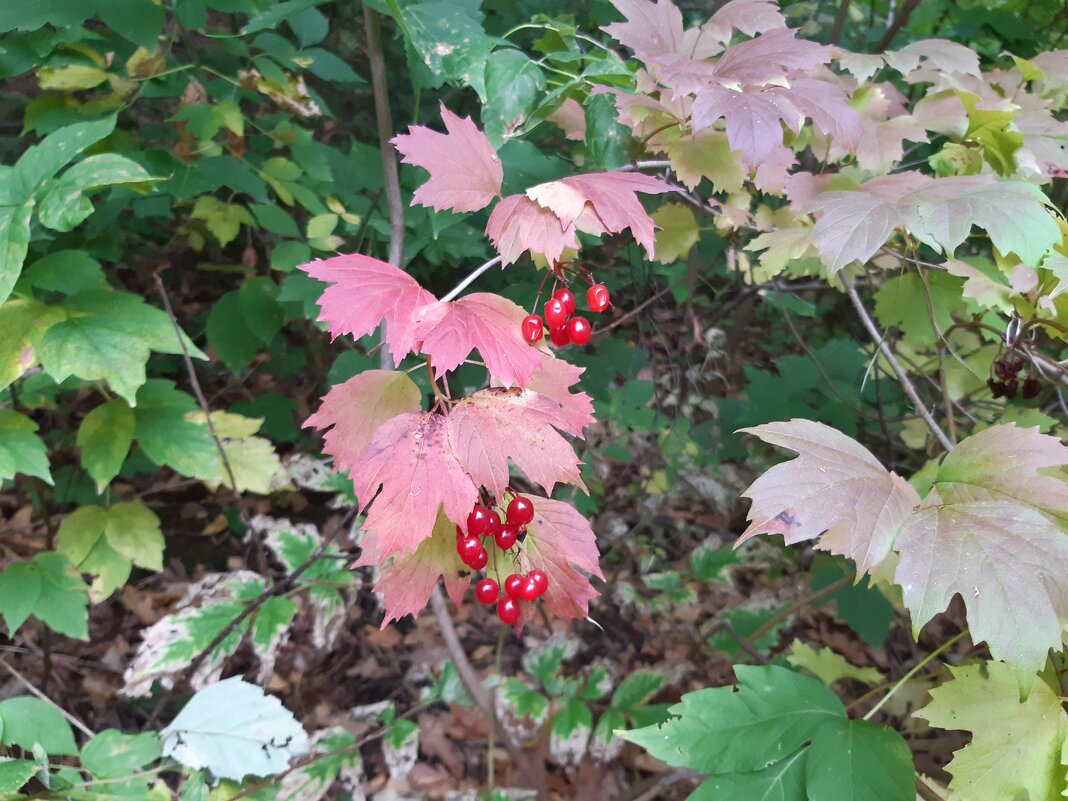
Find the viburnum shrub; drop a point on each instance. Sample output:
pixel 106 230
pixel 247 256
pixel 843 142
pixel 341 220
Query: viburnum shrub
pixel 812 163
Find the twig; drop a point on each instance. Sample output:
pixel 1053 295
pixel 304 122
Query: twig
pixel 839 21
pixel 727 626
pixel 471 278
pixel 801 602
pixel 920 666
pixel 947 402
pixel 636 310
pixel 900 20
pixel 70 718
pixel 899 371
pixel 653 786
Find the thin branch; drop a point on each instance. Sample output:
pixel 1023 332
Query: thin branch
pixel 471 278
pixel 69 717
pixel 743 643
pixel 801 602
pixel 839 21
pixel 922 664
pixel 899 22
pixel 899 371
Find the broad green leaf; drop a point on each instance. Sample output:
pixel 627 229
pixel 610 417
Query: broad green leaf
pixel 112 754
pixel 253 462
pixel 104 439
pixel 258 299
pixel 781 781
pixel 447 39
pixel 707 154
pixel 29 720
pixel 902 302
pixel 1017 746
pixel 525 702
pixel 636 689
pixel 67 271
pixel 14 244
pixel 573 718
pixel 278 13
pixel 223 220
pixel 229 333
pixel 14 773
pixel 21 450
pixel 22 324
pixel 108 335
pixel 311 783
pixel 65 204
pixel 828 666
pixel 273 219
pixel 772 712
pixel 678 232
pixel 167 435
pixel 853 760
pixel 46 587
pixel 70 78
pixel 140 21
pixel 606 138
pixel 42 161
pixel 608 724
pixel 270 625
pixel 234 729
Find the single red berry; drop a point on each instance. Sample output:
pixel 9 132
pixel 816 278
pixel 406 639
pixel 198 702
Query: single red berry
pixel 487 591
pixel 479 560
pixel 579 330
pixel 513 584
pixel 529 590
pixel 493 528
pixel 532 328
pixel 597 298
pixel 460 533
pixel 1031 388
pixel 467 548
pixel 506 537
pixel 555 314
pixel 508 611
pixel 558 336
pixel 520 511
pixel 478 521
pixel 540 579
pixel 565 296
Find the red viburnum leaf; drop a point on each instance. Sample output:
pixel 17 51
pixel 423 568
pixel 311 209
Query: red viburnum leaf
pixel 651 30
pixel 495 425
pixel 826 105
pixel 752 118
pixel 411 460
pixel 993 531
pixel 882 141
pixel 747 16
pixel 465 171
pixel 363 292
pixel 406 582
pixel 353 411
pixel 940 55
pixel 609 197
pixel 835 486
pixel 554 379
pixel 481 321
pixel 571 118
pixel 517 224
pixel 560 542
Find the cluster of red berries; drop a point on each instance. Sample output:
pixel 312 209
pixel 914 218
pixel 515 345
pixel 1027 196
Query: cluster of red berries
pixel 485 523
pixel 564 329
pixel 1007 383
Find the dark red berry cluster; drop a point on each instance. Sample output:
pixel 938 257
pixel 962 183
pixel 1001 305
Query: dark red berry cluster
pixel 1006 382
pixel 484 523
pixel 564 328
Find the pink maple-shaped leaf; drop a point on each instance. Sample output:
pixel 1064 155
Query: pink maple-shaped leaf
pixel 652 30
pixel 495 426
pixel 560 542
pixel 602 200
pixel 353 411
pixel 517 224
pixel 465 171
pixel 482 321
pixel 747 16
pixel 826 105
pixel 410 464
pixel 363 292
pixel 571 118
pixel 768 57
pixel 834 488
pixel 553 380
pixel 405 583
pixel 752 119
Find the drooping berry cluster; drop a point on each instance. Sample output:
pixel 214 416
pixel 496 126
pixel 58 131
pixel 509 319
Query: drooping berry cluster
pixel 564 328
pixel 484 523
pixel 1006 382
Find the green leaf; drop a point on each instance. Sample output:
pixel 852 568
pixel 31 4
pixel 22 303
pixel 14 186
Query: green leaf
pixel 42 161
pixel 14 773
pixel 29 721
pixel 526 703
pixel 572 716
pixel 678 232
pixel 65 205
pixel 773 711
pixel 273 219
pixel 258 299
pixel 707 155
pixel 902 302
pixel 272 621
pixel 22 324
pixel 447 38
pixel 611 721
pixel 70 77
pixel 1017 746
pixel 781 781
pixel 104 438
pixel 47 588
pixel 14 244
pixel 112 754
pixel 606 138
pixel 828 666
pixel 109 335
pixel 636 689
pixel 167 435
pixel 853 760
pixel 278 13
pixel 223 220
pixel 67 271
pixel 229 333
pixel 21 450
pixel 309 26
pixel 329 67
pixel 512 85
pixel 140 21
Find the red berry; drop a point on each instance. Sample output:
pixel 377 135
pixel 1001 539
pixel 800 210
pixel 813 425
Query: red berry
pixel 579 330
pixel 494 526
pixel 565 296
pixel 555 314
pixel 597 298
pixel 468 548
pixel 486 591
pixel 460 532
pixel 532 328
pixel 508 611
pixel 529 590
pixel 558 336
pixel 513 584
pixel 540 579
pixel 506 537
pixel 520 511
pixel 479 560
pixel 478 521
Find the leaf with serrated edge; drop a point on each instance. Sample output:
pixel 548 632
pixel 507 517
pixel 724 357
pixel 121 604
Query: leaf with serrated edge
pixel 828 666
pixel 853 760
pixel 465 171
pixel 834 486
pixel 363 292
pixel 1016 745
pixel 518 224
